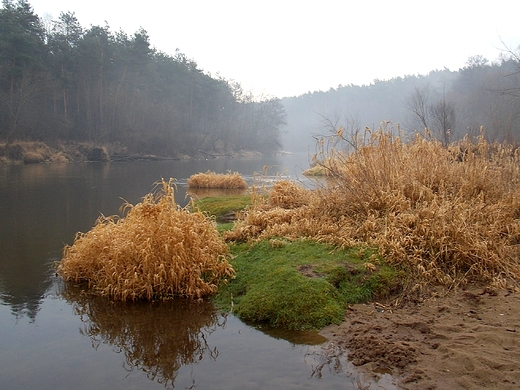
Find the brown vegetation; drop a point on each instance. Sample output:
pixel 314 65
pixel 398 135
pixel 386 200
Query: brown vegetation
pixel 157 250
pixel 217 180
pixel 29 152
pixel 447 215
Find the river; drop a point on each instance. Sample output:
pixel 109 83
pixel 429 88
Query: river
pixel 52 337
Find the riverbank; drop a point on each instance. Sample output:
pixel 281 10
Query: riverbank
pixel 468 339
pixel 35 152
pixel 465 339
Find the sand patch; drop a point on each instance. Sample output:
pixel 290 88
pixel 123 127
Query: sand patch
pixel 466 340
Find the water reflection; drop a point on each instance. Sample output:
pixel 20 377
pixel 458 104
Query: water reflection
pixel 292 336
pixel 43 206
pixel 157 338
pixel 199 193
pixel 174 343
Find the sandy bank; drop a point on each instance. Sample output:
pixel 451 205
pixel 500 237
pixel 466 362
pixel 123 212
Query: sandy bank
pixel 466 340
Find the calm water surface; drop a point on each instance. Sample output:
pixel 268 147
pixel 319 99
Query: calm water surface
pixel 57 338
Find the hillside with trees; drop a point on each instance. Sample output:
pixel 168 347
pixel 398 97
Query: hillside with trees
pixel 482 95
pixel 71 84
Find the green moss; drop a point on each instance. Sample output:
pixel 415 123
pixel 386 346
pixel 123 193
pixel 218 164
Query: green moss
pixel 223 227
pixel 301 285
pixel 222 205
pixel 297 285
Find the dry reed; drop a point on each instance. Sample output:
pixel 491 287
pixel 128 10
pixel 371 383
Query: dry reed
pixel 287 195
pixel 217 180
pixel 447 215
pixel 157 250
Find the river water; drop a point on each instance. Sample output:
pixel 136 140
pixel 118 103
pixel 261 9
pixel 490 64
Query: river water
pixel 52 337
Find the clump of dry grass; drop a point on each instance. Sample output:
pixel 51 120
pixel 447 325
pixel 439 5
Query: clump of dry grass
pixel 157 250
pixel 31 152
pixel 318 167
pixel 217 180
pixel 447 215
pixel 287 195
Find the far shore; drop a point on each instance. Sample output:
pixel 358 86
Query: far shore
pixel 36 152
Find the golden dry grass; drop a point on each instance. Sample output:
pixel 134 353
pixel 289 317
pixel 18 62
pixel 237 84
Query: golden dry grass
pixel 27 152
pixel 446 215
pixel 157 250
pixel 287 195
pixel 217 180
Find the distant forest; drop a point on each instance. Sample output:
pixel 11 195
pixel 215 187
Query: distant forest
pixel 65 83
pixel 482 95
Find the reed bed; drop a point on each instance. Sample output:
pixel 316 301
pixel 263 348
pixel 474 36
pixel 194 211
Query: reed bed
pixel 217 180
pixel 157 250
pixel 446 215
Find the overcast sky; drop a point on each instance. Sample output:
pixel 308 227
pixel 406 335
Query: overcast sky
pixel 290 47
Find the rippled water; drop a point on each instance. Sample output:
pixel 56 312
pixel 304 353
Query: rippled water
pixel 57 338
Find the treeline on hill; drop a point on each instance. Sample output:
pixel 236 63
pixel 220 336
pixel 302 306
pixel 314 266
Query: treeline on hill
pixel 67 83
pixel 481 95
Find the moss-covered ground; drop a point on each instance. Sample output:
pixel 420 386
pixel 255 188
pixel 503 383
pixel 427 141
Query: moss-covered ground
pixel 298 285
pixel 222 206
pixel 302 284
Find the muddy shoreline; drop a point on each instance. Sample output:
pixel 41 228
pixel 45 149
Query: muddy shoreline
pixel 468 339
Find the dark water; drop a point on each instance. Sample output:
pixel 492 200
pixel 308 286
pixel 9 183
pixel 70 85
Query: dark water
pixel 57 338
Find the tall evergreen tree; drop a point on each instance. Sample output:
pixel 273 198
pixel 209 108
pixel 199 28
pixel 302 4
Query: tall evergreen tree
pixel 22 56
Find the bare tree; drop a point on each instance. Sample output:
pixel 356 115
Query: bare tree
pixel 346 131
pixel 438 117
pixel 443 118
pixel 419 105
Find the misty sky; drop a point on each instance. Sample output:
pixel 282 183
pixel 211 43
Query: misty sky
pixel 288 47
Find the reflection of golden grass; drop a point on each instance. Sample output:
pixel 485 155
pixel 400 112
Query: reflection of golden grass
pixel 447 215
pixel 216 180
pixel 214 192
pixel 157 250
pixel 157 338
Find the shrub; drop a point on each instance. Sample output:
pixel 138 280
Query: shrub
pixel 157 250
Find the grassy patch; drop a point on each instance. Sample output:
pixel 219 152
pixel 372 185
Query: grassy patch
pixel 301 284
pixel 316 170
pixel 224 227
pixel 222 206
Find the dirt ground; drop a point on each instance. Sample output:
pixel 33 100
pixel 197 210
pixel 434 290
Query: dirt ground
pixel 465 340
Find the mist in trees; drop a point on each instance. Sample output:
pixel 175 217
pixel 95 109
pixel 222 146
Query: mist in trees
pixel 482 95
pixel 63 82
pixel 436 114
